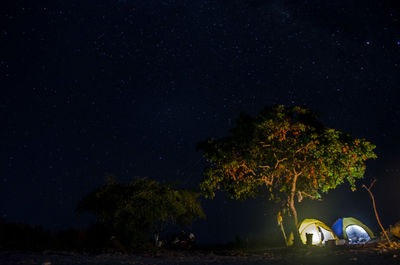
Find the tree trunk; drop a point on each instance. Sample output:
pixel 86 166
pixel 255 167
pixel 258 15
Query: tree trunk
pixel 297 240
pixel 284 234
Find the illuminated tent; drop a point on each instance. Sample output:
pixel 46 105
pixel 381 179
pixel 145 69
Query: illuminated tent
pixel 321 232
pixel 352 230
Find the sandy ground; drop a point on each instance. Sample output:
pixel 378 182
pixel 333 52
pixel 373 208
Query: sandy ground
pixel 334 255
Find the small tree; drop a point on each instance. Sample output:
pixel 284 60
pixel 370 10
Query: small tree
pixel 133 211
pixel 283 152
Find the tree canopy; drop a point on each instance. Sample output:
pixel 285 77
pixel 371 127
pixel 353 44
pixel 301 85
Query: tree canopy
pixel 132 211
pixel 284 152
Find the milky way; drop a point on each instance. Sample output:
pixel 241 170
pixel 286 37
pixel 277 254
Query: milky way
pixel 129 88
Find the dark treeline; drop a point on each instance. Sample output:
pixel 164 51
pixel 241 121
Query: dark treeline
pixel 16 236
pixel 129 216
pixel 97 238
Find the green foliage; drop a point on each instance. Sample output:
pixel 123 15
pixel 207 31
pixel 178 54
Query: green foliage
pixel 132 211
pixel 282 152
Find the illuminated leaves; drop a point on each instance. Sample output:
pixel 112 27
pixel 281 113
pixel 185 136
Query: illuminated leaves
pixel 262 154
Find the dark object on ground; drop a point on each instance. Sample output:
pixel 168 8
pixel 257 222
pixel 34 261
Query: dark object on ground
pixel 117 244
pixel 330 243
pixel 183 241
pixel 309 239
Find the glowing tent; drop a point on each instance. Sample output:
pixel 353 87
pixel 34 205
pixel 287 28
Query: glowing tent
pixel 352 230
pixel 321 232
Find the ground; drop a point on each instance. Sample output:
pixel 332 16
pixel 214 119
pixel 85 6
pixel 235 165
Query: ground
pixel 281 256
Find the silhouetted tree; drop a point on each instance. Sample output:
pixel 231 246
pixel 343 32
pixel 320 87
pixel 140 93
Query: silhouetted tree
pixel 133 211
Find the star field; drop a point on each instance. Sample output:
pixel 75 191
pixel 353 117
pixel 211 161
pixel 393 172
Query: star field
pixel 129 87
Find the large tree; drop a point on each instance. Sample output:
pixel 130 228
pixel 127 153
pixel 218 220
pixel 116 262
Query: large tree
pixel 284 152
pixel 132 211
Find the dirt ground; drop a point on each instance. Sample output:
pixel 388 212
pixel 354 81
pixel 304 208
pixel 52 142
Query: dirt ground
pixel 281 256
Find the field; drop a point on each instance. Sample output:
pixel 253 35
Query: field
pixel 282 256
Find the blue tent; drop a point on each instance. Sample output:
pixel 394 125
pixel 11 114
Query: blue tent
pixel 353 230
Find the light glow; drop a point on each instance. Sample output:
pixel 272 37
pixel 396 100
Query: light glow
pixel 327 235
pixel 357 235
pixel 312 229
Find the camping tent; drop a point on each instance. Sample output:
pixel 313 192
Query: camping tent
pixel 353 230
pixel 321 232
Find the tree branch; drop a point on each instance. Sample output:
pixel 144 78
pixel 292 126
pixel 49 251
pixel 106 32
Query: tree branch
pixel 376 213
pixel 309 195
pixel 372 184
pixel 280 161
pixel 296 174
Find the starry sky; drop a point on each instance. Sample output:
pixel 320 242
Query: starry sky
pixel 129 87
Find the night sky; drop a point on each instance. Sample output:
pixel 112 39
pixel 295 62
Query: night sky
pixel 129 87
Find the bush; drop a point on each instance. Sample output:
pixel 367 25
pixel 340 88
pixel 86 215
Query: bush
pixel 132 212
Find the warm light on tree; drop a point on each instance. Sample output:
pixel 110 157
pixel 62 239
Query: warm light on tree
pixel 285 153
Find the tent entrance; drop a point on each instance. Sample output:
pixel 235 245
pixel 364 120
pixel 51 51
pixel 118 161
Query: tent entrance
pixel 357 235
pixel 312 229
pixel 326 235
pixel 320 234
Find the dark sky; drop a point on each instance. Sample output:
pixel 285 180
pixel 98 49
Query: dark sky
pixel 129 87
